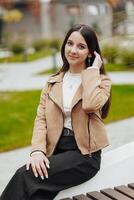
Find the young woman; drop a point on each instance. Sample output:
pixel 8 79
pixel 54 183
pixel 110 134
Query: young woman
pixel 68 132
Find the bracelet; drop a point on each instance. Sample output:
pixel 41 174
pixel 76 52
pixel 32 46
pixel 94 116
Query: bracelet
pixel 37 151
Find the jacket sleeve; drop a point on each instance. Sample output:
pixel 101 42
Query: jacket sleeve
pixel 96 89
pixel 40 127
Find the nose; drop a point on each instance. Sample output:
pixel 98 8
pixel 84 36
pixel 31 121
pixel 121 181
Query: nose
pixel 73 49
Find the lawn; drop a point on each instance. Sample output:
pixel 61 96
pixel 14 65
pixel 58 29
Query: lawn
pixel 17 113
pixel 29 57
pixel 109 67
pixel 18 110
pixel 118 67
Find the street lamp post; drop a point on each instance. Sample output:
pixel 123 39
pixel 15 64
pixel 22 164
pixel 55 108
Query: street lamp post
pixel 2 11
pixel 1 27
pixel 54 58
pixel 73 11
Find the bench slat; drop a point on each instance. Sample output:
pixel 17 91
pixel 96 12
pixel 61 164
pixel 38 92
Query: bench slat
pixel 66 199
pixel 121 192
pixel 113 194
pixel 81 197
pixel 97 196
pixel 125 190
pixel 131 185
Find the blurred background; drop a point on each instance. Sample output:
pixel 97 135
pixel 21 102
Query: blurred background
pixel 31 34
pixel 29 26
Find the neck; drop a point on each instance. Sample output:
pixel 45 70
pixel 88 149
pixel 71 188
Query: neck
pixel 76 69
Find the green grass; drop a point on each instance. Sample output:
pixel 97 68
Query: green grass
pixel 48 71
pixel 18 110
pixel 30 57
pixel 118 67
pixel 17 113
pixel 122 105
pixel 109 67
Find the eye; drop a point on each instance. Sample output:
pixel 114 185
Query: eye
pixel 82 46
pixel 70 43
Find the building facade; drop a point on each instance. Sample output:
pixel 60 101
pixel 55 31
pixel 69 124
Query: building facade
pixel 52 18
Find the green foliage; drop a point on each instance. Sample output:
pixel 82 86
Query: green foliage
pixel 39 54
pixel 127 57
pixel 17 47
pixel 39 45
pixel 46 44
pixel 55 43
pixel 117 58
pixel 110 53
pixel 30 57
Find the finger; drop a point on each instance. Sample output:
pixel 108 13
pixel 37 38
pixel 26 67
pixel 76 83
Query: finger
pixel 97 54
pixel 98 60
pixel 34 170
pixel 43 167
pixel 27 165
pixel 47 162
pixel 38 168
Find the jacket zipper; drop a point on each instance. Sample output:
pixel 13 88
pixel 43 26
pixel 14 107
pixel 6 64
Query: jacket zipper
pixel 90 155
pixel 62 127
pixel 58 139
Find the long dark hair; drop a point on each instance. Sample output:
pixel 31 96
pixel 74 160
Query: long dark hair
pixel 93 45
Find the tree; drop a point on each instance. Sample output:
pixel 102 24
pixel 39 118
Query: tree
pixel 118 14
pixel 13 15
pixel 4 5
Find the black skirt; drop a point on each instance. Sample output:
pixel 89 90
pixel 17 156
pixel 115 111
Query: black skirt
pixel 68 168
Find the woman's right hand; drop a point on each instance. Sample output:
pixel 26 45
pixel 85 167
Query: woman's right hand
pixel 39 164
pixel 97 61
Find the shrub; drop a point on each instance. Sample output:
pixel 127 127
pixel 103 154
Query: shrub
pixel 110 53
pixel 39 45
pixel 55 43
pixel 127 57
pixel 17 47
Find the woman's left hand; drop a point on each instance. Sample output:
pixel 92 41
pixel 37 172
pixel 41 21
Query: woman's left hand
pixel 97 61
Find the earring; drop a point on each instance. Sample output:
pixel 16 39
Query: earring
pixel 89 60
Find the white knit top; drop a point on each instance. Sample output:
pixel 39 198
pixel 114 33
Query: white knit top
pixel 71 82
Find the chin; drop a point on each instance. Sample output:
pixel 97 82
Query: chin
pixel 72 62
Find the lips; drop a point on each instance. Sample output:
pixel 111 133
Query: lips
pixel 73 57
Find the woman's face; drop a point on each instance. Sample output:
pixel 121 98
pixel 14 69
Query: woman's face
pixel 76 49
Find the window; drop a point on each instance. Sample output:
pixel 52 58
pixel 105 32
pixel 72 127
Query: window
pixel 93 10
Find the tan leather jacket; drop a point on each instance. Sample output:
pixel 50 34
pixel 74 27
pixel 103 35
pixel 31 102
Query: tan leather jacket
pixel 89 130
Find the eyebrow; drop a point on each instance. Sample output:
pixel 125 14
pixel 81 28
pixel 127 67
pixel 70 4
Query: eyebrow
pixel 79 43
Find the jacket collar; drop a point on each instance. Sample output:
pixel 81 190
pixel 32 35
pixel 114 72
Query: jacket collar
pixel 56 93
pixel 56 78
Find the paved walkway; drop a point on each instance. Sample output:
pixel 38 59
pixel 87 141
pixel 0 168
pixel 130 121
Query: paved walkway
pixel 23 76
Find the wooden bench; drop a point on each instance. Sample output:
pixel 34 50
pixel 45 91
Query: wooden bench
pixel 121 192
